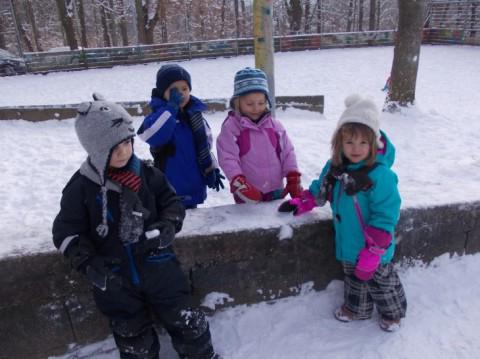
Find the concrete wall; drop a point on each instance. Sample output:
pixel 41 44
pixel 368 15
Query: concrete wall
pixel 44 306
pixel 141 108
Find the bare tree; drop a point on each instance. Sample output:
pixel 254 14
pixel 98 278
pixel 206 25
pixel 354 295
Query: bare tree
pixel 351 5
pixel 406 53
pixel 83 27
pixel 360 15
pixel 294 13
pixel 148 14
pixel 320 16
pixel 371 18
pixel 307 17
pixel 65 11
pixel 3 28
pixel 123 22
pixel 33 23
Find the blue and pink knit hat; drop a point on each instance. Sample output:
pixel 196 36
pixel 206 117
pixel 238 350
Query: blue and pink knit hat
pixel 250 80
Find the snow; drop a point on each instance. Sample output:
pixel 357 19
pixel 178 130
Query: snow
pixel 438 162
pixel 438 157
pixel 442 322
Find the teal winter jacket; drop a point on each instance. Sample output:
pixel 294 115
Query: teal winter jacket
pixel 380 206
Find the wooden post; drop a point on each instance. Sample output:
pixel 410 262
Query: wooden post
pixel 263 37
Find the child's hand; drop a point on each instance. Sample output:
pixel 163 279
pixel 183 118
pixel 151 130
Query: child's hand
pixel 158 235
pixel 99 271
pixel 214 180
pixel 294 186
pixel 175 99
pixel 303 204
pixel 244 190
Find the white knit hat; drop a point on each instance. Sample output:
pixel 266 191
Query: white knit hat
pixel 361 110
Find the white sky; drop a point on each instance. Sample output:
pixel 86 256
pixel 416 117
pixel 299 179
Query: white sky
pixel 438 162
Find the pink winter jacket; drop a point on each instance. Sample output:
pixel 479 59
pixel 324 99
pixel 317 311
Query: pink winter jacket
pixel 261 151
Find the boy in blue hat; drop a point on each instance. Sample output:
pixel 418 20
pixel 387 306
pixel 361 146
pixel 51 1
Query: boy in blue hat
pixel 180 138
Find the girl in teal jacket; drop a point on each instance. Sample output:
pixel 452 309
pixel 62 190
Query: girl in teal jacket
pixel 362 191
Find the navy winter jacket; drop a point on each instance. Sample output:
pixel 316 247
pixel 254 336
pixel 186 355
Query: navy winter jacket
pixel 81 212
pixel 172 144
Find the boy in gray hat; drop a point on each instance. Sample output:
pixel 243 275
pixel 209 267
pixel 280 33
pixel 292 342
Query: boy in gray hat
pixel 117 220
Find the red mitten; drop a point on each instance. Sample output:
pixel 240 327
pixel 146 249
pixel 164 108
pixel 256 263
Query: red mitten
pixel 294 185
pixel 244 190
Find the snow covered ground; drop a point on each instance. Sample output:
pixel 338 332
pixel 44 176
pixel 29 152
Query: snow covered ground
pixel 438 162
pixel 442 323
pixel 438 152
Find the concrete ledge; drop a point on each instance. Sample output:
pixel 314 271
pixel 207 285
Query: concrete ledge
pixel 44 306
pixel 141 108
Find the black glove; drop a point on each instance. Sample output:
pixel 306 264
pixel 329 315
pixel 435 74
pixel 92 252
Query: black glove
pixel 157 236
pixel 357 181
pixel 100 272
pixel 214 180
pixel 175 98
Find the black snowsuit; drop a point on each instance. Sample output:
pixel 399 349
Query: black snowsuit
pixel 153 285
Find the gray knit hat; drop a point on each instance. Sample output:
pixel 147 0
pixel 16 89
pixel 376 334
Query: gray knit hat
pixel 100 126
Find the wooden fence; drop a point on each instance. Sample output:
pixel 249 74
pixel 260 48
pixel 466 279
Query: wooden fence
pixel 108 57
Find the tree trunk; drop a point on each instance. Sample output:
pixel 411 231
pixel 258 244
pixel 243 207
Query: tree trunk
pixel 244 18
pixel 150 23
pixel 141 21
pixel 222 21
pixel 3 44
pixel 319 16
pixel 472 20
pixel 123 23
pixel 406 53
pixel 350 16
pixel 360 15
pixel 294 13
pixel 33 22
pixel 106 36
pixel 83 28
pixel 26 39
pixel 307 17
pixel 21 29
pixel 237 19
pixel 65 11
pixel 371 19
pixel 112 21
pixel 163 20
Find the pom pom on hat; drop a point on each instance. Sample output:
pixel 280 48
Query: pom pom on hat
pixel 361 110
pixel 168 74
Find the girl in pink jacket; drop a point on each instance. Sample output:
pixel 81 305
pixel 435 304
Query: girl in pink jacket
pixel 253 148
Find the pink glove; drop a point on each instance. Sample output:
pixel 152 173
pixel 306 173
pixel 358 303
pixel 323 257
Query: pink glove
pixel 370 257
pixel 303 204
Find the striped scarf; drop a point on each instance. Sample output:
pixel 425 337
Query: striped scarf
pixel 128 176
pixel 200 132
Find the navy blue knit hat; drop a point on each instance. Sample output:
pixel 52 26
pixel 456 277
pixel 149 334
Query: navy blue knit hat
pixel 168 74
pixel 250 80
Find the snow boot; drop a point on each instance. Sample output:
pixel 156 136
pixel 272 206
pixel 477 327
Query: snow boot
pixel 389 325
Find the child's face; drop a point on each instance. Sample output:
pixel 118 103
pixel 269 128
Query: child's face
pixel 121 154
pixel 182 87
pixel 253 105
pixel 355 148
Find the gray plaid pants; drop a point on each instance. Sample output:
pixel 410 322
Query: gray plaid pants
pixel 384 290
